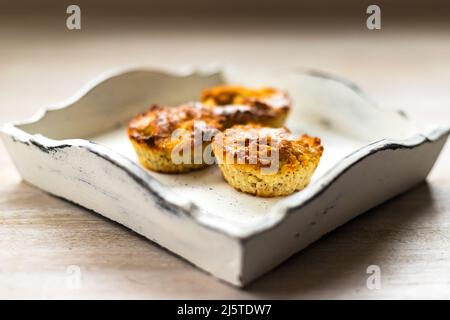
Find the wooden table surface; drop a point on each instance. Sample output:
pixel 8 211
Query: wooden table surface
pixel 42 236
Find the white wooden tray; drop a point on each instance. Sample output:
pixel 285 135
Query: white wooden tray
pixel 79 151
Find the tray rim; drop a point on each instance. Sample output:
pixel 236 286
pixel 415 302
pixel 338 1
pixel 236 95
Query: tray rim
pixel 183 205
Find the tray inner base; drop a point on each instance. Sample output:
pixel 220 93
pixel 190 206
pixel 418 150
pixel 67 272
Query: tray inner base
pixel 208 190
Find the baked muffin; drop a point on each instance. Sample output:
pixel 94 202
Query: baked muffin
pixel 241 105
pixel 266 162
pixel 174 139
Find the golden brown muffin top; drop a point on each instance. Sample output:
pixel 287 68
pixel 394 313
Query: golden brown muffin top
pixel 264 98
pixel 257 145
pixel 156 126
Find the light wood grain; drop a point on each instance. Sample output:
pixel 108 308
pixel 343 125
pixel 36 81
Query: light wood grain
pixel 40 235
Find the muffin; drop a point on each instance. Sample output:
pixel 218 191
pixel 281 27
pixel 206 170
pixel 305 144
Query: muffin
pixel 240 105
pixel 266 162
pixel 174 139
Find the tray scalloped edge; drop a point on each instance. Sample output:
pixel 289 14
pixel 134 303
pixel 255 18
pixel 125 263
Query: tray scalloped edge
pixel 108 183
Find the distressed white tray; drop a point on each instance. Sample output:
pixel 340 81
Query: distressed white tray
pixel 79 151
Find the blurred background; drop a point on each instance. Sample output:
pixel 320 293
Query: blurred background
pixel 405 65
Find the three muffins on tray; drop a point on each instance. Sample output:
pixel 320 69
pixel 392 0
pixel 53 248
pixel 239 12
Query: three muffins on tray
pixel 239 128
